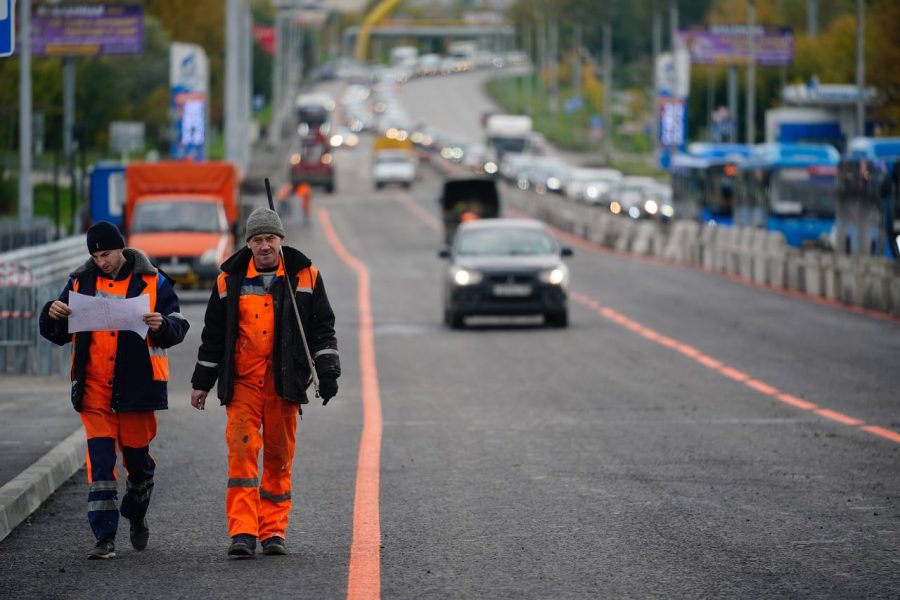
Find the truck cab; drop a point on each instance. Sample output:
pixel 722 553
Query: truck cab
pixel 183 215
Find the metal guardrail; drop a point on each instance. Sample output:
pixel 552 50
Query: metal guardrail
pixel 29 277
pixel 14 234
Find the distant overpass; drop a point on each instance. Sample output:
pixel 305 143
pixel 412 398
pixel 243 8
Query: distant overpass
pixel 490 37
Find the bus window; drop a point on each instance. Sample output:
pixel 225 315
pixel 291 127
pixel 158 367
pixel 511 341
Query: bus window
pixel 720 194
pixel 800 191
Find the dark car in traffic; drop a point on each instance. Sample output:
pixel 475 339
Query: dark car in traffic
pixel 312 163
pixel 505 267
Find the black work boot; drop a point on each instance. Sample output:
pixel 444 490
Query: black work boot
pixel 139 534
pixel 274 546
pixel 242 545
pixel 103 549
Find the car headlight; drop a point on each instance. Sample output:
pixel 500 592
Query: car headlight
pixel 210 257
pixel 490 167
pixel 555 276
pixel 463 277
pixel 553 183
pixel 651 207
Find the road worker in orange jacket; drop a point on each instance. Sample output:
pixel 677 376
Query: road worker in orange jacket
pixel 251 344
pixel 118 380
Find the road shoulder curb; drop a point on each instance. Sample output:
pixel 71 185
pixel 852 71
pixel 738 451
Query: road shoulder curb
pixel 26 492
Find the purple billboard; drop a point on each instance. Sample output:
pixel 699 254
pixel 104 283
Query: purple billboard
pixel 87 29
pixel 727 45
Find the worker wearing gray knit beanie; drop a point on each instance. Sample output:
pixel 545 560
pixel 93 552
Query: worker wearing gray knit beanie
pixel 263 220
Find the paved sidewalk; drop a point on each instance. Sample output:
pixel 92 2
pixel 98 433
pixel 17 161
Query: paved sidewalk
pixel 41 443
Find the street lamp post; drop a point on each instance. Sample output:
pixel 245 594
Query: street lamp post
pixel 26 198
pixel 751 72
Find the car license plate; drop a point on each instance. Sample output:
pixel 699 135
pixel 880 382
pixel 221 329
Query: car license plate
pixel 507 290
pixel 176 268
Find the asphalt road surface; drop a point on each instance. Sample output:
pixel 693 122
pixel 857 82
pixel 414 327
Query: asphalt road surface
pixel 687 436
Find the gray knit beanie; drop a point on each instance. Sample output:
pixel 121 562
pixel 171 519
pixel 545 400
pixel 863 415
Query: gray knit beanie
pixel 264 220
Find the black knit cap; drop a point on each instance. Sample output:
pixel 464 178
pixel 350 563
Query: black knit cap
pixel 103 235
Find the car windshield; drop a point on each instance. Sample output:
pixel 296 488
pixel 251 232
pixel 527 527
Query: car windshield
pixel 505 242
pixel 177 215
pixel 312 152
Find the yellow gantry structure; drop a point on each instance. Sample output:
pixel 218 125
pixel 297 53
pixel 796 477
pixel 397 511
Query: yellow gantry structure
pixel 381 11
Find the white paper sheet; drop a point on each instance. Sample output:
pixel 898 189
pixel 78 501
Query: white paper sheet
pixel 99 313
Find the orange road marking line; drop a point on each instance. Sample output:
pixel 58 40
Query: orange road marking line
pixel 711 363
pixel 733 374
pixel 837 416
pixel 364 577
pixel 795 401
pixel 885 433
pixel 762 387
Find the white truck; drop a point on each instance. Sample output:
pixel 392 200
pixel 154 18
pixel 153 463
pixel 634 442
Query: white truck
pixel 463 55
pixel 506 134
pixel 404 57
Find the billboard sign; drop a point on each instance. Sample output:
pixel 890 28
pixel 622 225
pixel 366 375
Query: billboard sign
pixel 7 27
pixel 87 29
pixel 728 45
pixel 189 100
pixel 672 122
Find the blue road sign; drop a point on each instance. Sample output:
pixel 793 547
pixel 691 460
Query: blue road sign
pixel 7 27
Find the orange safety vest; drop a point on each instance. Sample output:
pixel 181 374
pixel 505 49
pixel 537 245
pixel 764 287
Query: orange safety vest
pixel 104 344
pixel 256 320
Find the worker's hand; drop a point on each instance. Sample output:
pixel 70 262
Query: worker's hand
pixel 59 310
pixel 154 320
pixel 198 399
pixel 327 389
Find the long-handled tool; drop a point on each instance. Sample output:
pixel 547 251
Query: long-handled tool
pixel 309 358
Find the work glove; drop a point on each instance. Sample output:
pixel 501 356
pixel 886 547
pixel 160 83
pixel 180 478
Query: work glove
pixel 327 389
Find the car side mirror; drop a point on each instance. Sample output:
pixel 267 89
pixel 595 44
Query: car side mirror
pixel 566 252
pixel 444 253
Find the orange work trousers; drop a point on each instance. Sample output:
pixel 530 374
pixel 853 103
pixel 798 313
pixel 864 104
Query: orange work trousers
pixel 107 432
pixel 254 507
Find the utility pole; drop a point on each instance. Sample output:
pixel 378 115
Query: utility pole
pixel 657 49
pixel 237 82
pixel 607 87
pixel 751 72
pixel 860 68
pixel 576 62
pixel 733 103
pixel 673 23
pixel 232 79
pixel 812 18
pixel 554 66
pixel 26 197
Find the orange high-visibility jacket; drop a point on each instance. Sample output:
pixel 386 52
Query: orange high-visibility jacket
pixel 140 371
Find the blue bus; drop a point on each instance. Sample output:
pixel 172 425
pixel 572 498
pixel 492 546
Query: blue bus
pixel 868 207
pixel 704 181
pixel 791 188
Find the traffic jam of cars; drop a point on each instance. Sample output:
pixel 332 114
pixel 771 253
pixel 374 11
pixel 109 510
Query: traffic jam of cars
pixel 495 266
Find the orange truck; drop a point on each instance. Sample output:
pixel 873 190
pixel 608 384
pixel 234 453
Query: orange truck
pixel 183 215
